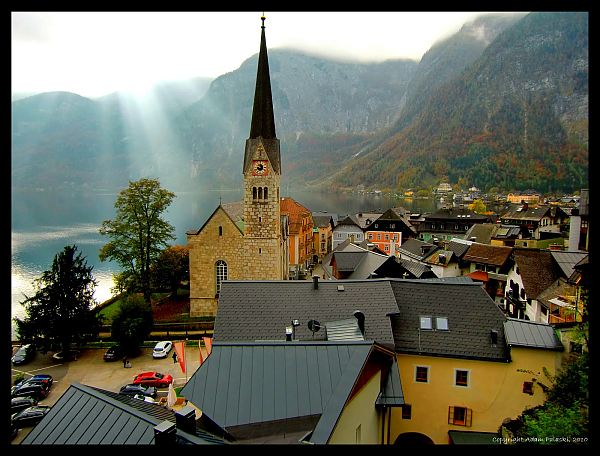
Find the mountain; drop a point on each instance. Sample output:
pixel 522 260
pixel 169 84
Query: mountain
pixel 319 106
pixel 516 117
pixel 503 102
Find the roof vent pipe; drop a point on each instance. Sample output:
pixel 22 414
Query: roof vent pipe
pixel 165 433
pixel 494 336
pixel 315 282
pixel 185 419
pixel 361 320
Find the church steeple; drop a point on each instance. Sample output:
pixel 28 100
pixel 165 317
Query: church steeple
pixel 262 127
pixel 263 120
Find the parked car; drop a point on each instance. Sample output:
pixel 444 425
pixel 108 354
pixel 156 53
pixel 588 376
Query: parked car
pixel 113 353
pixel 30 416
pixel 38 392
pixel 141 397
pixel 24 354
pixel 70 355
pixel 40 379
pixel 153 378
pixel 133 389
pixel 21 403
pixel 162 349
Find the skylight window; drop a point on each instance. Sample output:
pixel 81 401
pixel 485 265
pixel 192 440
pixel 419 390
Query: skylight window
pixel 441 323
pixel 426 323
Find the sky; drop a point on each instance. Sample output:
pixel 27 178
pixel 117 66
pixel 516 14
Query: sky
pixel 96 53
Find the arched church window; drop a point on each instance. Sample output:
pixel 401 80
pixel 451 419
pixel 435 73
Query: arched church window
pixel 220 231
pixel 254 193
pixel 221 267
pixel 266 193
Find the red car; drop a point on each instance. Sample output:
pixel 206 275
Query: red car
pixel 155 379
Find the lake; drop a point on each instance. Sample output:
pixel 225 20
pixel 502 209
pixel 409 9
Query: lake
pixel 43 223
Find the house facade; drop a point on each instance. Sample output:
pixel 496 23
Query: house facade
pixel 322 236
pixel 388 232
pixel 490 265
pixel 541 222
pixel 448 223
pixel 300 235
pixel 347 228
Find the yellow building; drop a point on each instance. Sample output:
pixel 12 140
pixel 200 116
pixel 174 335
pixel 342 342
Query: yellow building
pixel 446 394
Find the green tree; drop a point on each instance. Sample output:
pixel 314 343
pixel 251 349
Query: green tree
pixel 171 268
pixel 138 233
pixel 132 323
pixel 60 312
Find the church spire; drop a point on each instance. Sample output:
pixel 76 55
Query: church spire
pixel 263 121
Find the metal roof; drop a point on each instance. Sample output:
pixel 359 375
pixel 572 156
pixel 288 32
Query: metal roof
pixel 418 270
pixel 392 394
pixel 85 415
pixel 525 333
pixel 343 330
pixel 249 383
pixel 567 260
pixel 348 261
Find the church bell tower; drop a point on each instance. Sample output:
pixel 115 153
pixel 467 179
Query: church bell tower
pixel 262 171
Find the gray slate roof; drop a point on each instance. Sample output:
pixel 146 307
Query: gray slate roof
pixel 525 333
pixel 85 415
pixel 471 314
pixel 261 310
pixel 251 383
pixel 459 248
pixel 416 249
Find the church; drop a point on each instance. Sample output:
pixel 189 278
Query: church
pixel 255 247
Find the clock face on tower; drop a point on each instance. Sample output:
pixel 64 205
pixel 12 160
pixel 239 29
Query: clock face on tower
pixel 259 168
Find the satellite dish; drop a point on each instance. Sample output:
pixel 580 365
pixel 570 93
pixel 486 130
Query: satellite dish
pixel 314 326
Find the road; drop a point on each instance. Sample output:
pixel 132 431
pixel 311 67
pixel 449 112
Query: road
pixel 91 369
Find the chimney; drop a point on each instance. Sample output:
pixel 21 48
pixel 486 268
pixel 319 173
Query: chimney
pixel 315 282
pixel 185 419
pixel 494 337
pixel 164 433
pixel 361 320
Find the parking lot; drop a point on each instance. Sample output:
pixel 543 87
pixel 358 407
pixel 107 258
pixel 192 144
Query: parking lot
pixel 91 369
